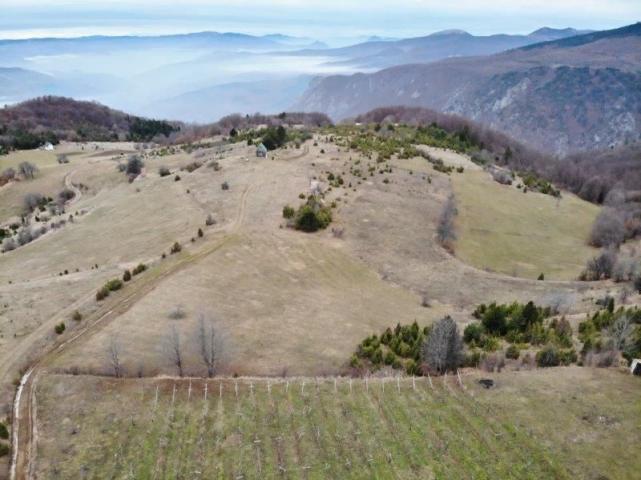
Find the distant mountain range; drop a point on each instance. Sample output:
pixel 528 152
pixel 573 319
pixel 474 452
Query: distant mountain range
pixel 574 93
pixel 381 53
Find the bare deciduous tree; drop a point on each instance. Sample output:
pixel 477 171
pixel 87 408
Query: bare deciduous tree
pixel 114 353
pixel 445 229
pixel 209 343
pixel 608 229
pixel 175 349
pixel 27 169
pixel 620 332
pixel 443 348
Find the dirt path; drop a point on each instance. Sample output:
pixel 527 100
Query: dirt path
pixel 24 422
pixel 70 185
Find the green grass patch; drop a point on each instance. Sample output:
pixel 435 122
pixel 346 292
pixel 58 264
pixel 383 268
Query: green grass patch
pixel 502 229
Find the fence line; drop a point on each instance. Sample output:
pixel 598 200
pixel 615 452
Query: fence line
pixel 335 385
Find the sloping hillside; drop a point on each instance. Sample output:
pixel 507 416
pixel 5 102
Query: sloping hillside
pixel 567 95
pixel 31 123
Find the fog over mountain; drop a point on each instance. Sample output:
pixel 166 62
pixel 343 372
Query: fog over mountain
pixel 203 76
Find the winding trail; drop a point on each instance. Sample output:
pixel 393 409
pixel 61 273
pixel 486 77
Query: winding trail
pixel 24 420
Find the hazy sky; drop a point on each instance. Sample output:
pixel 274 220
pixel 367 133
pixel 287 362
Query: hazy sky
pixel 324 19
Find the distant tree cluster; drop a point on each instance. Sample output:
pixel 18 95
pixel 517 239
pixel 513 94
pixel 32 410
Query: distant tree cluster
pixel 30 124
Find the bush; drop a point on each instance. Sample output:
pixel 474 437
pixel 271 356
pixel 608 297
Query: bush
pixel 601 266
pixel 473 333
pixel 4 449
pixel 548 357
pixel 200 233
pixel 513 352
pixel 60 328
pixel 192 166
pixel 66 194
pixel 209 221
pixel 126 276
pixel 163 171
pixel 225 185
pixel 177 313
pixel 177 178
pixel 176 248
pixel 4 432
pixel 141 267
pixel 134 165
pixel 113 285
pixel 31 201
pixel 608 229
pixel 77 316
pixel 312 216
pixel 637 283
pixel 102 293
pixel 288 212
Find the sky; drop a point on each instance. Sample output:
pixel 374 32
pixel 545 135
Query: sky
pixel 327 20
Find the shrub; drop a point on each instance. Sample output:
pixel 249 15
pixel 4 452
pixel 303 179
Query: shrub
pixel 4 432
pixel 473 333
pixel 192 166
pixel 492 363
pixel 4 449
pixel 513 352
pixel 608 229
pixel 60 328
pixel 489 343
pixel 288 212
pixel 637 283
pixel 134 165
pixel 126 276
pixel 601 266
pixel 548 357
pixel 9 244
pixel 177 178
pixel 567 356
pixel 66 194
pixel 177 313
pixel 209 221
pixel 176 248
pixel 163 171
pixel 225 185
pixel 113 285
pixel 102 293
pixel 141 267
pixel 312 217
pixel 31 201
pixel 200 233
pixel 77 316
pixel 541 277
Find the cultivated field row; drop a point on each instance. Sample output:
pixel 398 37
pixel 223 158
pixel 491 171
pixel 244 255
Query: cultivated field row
pixel 303 428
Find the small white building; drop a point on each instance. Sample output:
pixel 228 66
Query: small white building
pixel 261 151
pixel 48 147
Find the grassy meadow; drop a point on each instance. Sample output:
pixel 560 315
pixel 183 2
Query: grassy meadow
pixel 499 228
